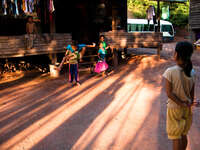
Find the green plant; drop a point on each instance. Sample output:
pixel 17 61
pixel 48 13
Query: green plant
pixel 179 12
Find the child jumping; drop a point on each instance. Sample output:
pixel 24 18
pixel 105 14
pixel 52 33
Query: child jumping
pixel 101 65
pixel 180 84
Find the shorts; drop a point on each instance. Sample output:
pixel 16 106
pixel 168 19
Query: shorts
pixel 179 121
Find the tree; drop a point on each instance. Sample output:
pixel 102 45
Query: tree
pixel 179 12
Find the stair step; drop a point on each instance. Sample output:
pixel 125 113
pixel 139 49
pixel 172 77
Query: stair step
pixel 84 69
pixel 87 63
pixel 89 56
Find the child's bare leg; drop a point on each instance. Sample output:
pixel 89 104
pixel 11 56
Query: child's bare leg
pixel 184 142
pixel 177 144
pixel 103 73
pixel 82 53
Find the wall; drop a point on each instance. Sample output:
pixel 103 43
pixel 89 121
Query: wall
pixel 86 18
pixel 194 18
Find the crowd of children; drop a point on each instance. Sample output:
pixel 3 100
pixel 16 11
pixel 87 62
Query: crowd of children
pixel 74 54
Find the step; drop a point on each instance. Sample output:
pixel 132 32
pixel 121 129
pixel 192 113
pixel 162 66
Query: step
pixel 84 69
pixel 90 56
pixel 87 63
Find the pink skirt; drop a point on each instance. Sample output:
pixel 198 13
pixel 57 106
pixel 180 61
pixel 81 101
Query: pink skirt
pixel 101 66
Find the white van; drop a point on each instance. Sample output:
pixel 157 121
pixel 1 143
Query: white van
pixel 141 25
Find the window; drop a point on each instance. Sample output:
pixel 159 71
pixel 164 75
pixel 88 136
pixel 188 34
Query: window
pixel 167 28
pixel 148 27
pixel 140 27
pixel 132 27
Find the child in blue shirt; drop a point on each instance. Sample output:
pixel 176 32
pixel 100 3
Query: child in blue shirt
pixel 73 53
pixel 81 48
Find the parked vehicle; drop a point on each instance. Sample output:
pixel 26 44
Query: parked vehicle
pixel 141 25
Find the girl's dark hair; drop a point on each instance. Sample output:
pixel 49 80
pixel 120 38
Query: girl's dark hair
pixel 102 36
pixel 184 52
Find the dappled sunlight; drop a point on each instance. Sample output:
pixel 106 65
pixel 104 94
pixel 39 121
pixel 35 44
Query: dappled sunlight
pixel 152 126
pixel 23 110
pixel 149 69
pixel 194 139
pixel 38 130
pixel 117 121
pixel 21 97
pixel 7 77
pixel 122 111
pixel 13 100
pixel 13 91
pixel 22 119
pixel 194 132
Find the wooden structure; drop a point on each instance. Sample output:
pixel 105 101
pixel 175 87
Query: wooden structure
pixel 14 46
pixel 86 18
pixel 194 19
pixel 83 19
pixel 122 40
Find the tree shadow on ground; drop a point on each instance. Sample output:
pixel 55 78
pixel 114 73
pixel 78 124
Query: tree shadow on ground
pixel 29 109
pixel 72 129
pixel 53 101
pixel 152 130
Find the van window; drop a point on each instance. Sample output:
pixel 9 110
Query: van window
pixel 148 27
pixel 140 27
pixel 167 28
pixel 131 27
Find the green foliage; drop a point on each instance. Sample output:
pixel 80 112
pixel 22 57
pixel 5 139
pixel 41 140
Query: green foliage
pixel 179 12
pixel 139 7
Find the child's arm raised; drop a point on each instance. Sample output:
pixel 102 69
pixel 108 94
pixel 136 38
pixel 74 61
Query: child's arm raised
pixel 93 45
pixel 173 97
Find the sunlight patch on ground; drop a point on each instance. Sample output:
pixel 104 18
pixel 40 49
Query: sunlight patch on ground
pixel 10 77
pixel 43 127
pixel 21 120
pixel 194 133
pixel 118 121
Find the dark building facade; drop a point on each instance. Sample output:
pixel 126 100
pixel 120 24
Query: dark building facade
pixel 83 18
pixel 194 19
pixel 86 18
